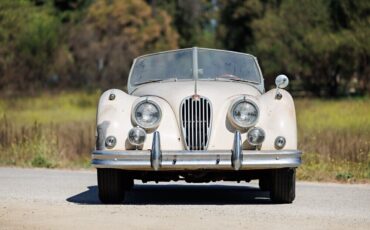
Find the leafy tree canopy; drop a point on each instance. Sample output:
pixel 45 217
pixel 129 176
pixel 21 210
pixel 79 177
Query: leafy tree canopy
pixel 28 38
pixel 324 43
pixel 112 34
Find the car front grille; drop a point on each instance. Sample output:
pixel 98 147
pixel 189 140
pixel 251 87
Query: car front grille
pixel 196 117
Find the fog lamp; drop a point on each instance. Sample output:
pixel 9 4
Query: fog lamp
pixel 255 136
pixel 136 136
pixel 280 142
pixel 110 142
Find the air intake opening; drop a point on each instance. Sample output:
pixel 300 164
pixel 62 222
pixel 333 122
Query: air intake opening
pixel 196 116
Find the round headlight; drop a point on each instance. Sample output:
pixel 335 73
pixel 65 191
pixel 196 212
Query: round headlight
pixel 147 114
pixel 244 113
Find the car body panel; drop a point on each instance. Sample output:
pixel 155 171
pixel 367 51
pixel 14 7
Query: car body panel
pixel 277 117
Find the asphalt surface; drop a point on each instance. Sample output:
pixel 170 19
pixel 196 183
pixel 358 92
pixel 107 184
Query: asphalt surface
pixel 61 199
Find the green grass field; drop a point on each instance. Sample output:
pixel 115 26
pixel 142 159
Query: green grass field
pixel 52 130
pixel 58 131
pixel 335 138
pixel 48 108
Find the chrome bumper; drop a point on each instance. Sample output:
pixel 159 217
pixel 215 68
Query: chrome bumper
pixel 235 159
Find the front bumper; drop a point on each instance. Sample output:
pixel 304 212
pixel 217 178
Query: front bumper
pixel 234 159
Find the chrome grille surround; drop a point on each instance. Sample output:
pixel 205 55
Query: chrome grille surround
pixel 195 119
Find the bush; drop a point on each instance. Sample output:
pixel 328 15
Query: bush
pixel 29 38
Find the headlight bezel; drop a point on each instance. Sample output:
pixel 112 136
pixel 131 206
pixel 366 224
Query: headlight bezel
pixel 146 126
pixel 234 121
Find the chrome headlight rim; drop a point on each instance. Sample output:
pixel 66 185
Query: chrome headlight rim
pixel 145 126
pixel 234 121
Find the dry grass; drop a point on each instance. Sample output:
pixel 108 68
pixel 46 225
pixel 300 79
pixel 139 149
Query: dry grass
pixel 48 131
pixel 335 138
pixel 58 131
pixel 46 145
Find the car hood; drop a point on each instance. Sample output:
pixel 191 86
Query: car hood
pixel 218 92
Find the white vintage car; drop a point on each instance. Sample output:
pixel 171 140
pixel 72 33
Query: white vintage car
pixel 198 115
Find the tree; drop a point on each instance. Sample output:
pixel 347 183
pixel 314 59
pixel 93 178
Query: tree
pixel 235 27
pixel 351 20
pixel 28 39
pixel 312 40
pixel 192 19
pixel 111 35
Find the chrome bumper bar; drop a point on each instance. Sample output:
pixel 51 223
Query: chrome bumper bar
pixel 235 159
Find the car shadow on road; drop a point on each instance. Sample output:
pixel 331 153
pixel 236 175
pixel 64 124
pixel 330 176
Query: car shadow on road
pixel 182 194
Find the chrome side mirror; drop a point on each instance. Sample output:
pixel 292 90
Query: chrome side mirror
pixel 281 82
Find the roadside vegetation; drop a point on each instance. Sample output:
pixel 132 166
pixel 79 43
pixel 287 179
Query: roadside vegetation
pixel 50 131
pixel 335 138
pixel 57 131
pixel 56 56
pixel 64 44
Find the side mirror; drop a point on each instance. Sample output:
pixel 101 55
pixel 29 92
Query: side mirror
pixel 281 82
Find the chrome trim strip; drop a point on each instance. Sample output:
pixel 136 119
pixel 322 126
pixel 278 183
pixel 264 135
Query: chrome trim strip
pixel 195 69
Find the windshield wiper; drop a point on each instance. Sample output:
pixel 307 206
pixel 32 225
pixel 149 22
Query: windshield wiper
pixel 156 80
pixel 230 77
pixel 150 81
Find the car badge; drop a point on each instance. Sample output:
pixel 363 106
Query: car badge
pixel 195 97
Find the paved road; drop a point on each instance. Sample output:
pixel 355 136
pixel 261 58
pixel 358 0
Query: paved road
pixel 60 199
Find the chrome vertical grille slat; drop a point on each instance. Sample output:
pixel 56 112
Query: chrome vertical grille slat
pixel 187 126
pixel 195 118
pixel 192 124
pixel 196 124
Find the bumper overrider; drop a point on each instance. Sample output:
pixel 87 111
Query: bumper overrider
pixel 234 159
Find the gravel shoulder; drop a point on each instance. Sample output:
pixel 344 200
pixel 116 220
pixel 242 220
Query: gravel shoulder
pixel 60 199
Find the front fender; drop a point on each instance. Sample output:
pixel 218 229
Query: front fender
pixel 114 119
pixel 278 118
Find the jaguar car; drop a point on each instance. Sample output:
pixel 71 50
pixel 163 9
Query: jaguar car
pixel 196 115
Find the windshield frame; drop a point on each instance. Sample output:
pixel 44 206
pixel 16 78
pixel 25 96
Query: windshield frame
pixel 258 85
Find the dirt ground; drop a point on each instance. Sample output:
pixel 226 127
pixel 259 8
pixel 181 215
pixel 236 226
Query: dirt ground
pixel 61 199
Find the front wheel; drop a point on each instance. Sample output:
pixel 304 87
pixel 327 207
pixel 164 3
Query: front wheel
pixel 283 185
pixel 112 184
pixel 265 183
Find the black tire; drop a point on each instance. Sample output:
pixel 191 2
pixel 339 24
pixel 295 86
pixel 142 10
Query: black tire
pixel 112 184
pixel 265 183
pixel 128 183
pixel 283 186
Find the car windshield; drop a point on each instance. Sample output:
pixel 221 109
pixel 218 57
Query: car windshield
pixel 178 65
